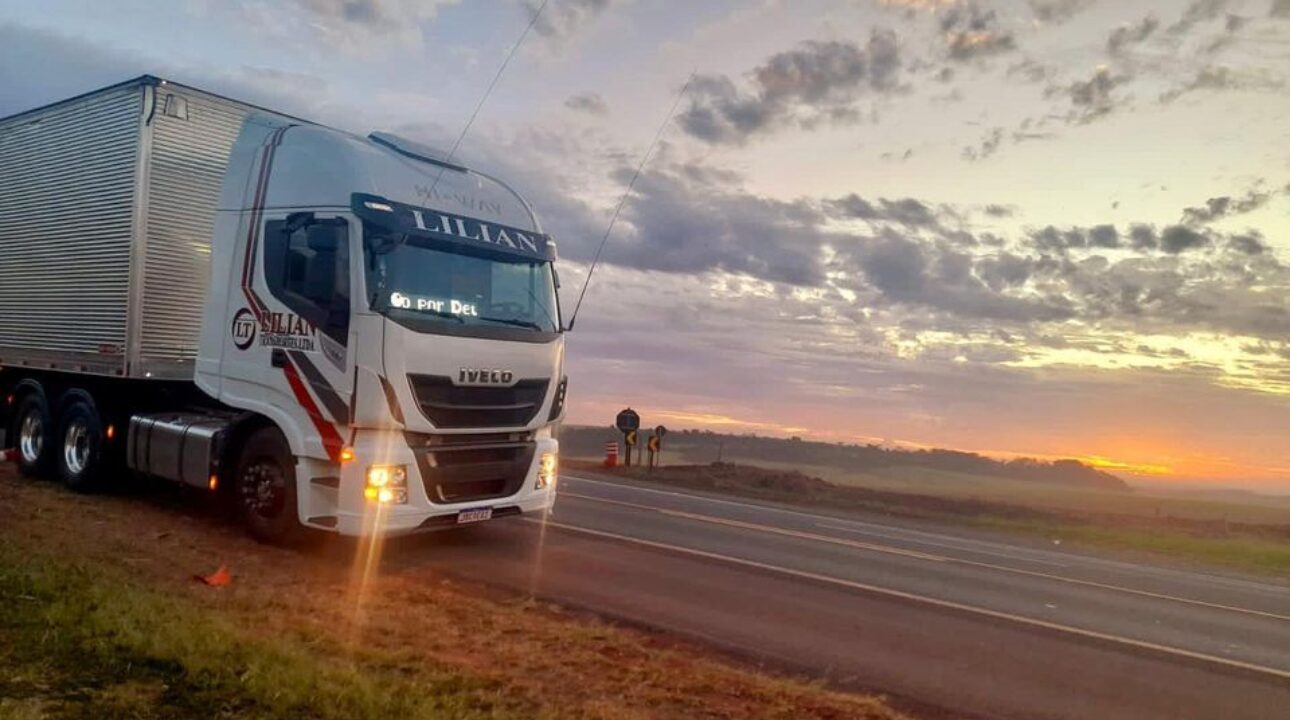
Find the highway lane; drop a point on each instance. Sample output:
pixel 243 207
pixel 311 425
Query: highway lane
pixel 954 619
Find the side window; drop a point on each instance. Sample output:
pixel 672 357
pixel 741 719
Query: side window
pixel 308 270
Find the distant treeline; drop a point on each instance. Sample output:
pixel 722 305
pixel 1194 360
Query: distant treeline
pixel 699 445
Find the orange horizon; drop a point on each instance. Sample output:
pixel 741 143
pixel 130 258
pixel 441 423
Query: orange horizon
pixel 1154 465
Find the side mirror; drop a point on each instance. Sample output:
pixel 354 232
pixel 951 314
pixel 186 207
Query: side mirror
pixel 297 220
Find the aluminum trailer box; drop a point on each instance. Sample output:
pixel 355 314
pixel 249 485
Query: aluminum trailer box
pixel 107 205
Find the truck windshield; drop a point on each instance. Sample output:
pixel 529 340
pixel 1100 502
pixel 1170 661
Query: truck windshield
pixel 431 289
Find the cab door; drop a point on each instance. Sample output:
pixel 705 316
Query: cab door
pixel 290 356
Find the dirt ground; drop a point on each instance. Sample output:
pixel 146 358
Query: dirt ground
pixel 543 659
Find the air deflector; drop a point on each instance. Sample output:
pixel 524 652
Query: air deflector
pixel 414 150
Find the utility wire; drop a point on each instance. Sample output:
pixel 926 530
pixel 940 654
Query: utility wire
pixel 489 91
pixel 626 193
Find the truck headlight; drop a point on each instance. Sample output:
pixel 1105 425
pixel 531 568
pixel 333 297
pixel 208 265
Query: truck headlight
pixel 387 484
pixel 547 467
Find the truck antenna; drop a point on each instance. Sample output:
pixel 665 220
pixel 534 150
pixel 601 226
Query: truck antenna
pixel 623 200
pixel 489 90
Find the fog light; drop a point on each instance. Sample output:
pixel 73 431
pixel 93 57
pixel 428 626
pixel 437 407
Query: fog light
pixel 547 470
pixel 387 484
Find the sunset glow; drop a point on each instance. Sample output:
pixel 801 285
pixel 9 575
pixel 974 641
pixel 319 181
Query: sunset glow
pixel 1047 229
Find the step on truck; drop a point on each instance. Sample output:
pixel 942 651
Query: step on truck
pixel 350 334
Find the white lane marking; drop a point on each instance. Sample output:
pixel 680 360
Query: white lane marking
pixel 1020 619
pixel 812 516
pixel 936 558
pixel 1277 591
pixel 769 529
pixel 960 548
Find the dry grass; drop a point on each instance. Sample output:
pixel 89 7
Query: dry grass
pixel 101 619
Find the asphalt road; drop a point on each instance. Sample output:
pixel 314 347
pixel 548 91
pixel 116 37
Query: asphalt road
pixel 939 619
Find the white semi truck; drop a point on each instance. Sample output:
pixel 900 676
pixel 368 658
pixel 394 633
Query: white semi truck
pixel 350 334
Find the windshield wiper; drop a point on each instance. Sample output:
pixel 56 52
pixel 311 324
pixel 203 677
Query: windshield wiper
pixel 513 321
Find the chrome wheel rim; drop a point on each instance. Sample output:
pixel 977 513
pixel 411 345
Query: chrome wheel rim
pixel 76 447
pixel 31 437
pixel 264 489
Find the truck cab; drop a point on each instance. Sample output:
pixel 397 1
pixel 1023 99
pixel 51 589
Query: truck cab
pixel 395 316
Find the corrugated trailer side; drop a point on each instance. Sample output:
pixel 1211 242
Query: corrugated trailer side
pixel 67 219
pixel 107 207
pixel 189 141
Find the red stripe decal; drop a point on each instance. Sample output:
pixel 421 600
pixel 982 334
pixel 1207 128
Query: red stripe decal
pixel 331 439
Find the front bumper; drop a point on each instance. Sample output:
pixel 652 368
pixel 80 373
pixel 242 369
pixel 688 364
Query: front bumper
pixel 467 473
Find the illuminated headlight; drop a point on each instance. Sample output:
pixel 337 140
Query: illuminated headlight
pixel 387 484
pixel 546 470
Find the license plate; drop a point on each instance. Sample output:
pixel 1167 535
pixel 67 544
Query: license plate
pixel 474 516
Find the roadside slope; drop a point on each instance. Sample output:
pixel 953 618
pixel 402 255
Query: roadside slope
pixel 100 610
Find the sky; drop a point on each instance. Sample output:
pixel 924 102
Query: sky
pixel 1047 228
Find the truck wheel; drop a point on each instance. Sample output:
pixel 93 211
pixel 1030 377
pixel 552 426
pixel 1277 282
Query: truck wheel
pixel 33 430
pixel 266 488
pixel 80 450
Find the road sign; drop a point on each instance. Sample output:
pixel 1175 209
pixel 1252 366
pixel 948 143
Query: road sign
pixel 660 431
pixel 630 438
pixel 628 420
pixel 654 442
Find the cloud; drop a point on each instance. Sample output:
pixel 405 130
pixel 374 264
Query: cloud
pixel 988 146
pixel 352 25
pixel 814 82
pixel 970 32
pixel 563 19
pixel 1217 208
pixel 1180 238
pixel 1104 236
pixel 1030 70
pixel 70 66
pixel 685 222
pixel 1143 237
pixel 1219 78
pixel 591 103
pixel 1199 11
pixel 1251 243
pixel 1125 36
pixel 907 211
pixel 1091 99
pixel 1058 11
pixel 1279 9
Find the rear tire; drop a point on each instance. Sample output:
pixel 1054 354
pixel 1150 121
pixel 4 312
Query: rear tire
pixel 80 448
pixel 265 488
pixel 33 431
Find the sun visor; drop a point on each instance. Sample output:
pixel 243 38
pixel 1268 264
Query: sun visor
pixel 470 234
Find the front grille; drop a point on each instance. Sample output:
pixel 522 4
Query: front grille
pixel 453 406
pixel 466 468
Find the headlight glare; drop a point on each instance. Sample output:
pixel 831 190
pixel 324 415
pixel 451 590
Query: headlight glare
pixel 547 468
pixel 387 484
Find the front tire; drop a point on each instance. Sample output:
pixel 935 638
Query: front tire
pixel 80 448
pixel 266 488
pixel 34 431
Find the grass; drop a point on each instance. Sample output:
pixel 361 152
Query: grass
pixel 1146 503
pixel 99 619
pixel 83 642
pixel 1249 554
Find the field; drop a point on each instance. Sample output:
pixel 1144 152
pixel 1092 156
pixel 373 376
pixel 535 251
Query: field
pixel 100 617
pixel 1143 503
